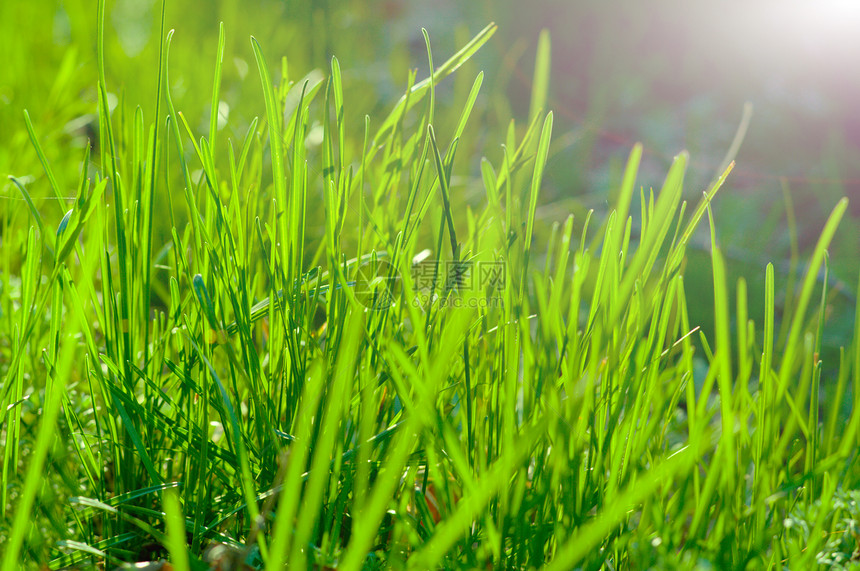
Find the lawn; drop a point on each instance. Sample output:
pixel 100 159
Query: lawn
pixel 262 307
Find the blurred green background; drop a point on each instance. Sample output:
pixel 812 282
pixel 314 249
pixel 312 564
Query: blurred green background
pixel 672 75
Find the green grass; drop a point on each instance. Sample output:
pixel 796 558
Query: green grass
pixel 349 342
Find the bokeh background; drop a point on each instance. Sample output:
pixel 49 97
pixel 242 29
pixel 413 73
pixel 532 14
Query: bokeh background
pixel 672 75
